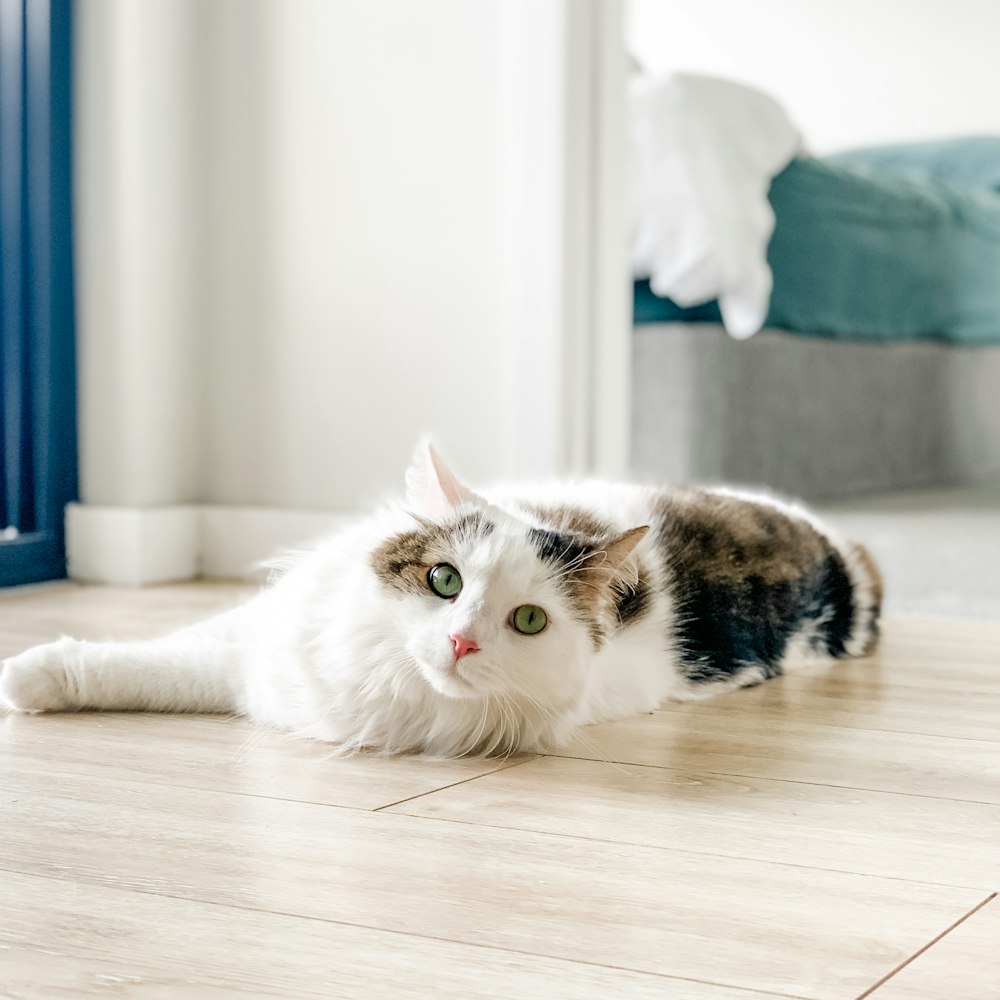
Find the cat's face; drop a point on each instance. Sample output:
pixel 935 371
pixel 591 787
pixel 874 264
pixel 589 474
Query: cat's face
pixel 483 612
pixel 491 605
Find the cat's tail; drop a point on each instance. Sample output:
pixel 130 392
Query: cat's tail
pixel 866 598
pixel 195 670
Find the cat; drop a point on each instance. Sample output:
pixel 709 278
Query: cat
pixel 457 623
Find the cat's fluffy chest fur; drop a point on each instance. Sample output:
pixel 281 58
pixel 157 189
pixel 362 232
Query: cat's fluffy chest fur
pixel 458 623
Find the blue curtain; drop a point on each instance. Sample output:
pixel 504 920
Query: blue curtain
pixel 37 357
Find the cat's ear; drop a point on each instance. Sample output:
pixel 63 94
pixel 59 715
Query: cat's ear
pixel 618 562
pixel 432 490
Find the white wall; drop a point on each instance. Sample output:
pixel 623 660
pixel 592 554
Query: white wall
pixel 309 232
pixel 370 305
pixel 850 72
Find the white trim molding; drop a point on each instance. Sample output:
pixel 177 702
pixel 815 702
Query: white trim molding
pixel 569 288
pixel 131 546
pixel 610 316
pixel 140 546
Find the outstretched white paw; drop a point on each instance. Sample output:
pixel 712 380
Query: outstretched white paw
pixel 35 681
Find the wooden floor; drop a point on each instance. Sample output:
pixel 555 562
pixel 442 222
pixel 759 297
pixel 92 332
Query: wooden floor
pixel 827 836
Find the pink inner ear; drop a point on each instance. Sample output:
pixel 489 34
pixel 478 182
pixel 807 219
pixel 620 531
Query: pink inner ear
pixel 432 489
pixel 451 489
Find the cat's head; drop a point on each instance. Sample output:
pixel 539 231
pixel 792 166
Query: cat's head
pixel 493 604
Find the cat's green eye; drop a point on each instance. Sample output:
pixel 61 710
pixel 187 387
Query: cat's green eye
pixel 444 580
pixel 529 619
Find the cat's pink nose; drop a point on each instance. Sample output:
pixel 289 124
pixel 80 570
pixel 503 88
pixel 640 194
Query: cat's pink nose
pixel 463 644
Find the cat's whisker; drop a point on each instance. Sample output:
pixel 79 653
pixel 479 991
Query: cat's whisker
pixel 254 739
pixel 515 730
pixel 580 735
pixel 491 722
pixel 504 724
pixel 498 726
pixel 480 729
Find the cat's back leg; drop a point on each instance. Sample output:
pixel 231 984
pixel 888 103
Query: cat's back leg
pixel 760 588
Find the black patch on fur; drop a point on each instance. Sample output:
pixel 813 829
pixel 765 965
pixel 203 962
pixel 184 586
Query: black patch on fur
pixel 631 601
pixel 834 593
pixel 556 547
pixel 724 628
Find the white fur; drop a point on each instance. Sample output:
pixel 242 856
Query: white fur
pixel 329 652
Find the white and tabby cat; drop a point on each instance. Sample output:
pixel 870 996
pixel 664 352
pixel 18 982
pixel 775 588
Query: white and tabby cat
pixel 458 623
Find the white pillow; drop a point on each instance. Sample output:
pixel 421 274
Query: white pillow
pixel 704 151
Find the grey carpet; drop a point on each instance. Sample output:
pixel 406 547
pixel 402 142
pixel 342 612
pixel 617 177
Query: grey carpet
pixel 939 550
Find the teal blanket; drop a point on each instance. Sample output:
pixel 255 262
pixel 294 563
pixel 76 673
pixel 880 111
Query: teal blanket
pixel 898 243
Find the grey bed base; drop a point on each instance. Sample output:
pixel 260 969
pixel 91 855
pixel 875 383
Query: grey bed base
pixel 819 419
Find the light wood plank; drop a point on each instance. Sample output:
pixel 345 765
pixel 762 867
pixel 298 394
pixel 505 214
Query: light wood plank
pixel 859 702
pixel 244 758
pixel 753 746
pixel 748 924
pixel 936 653
pixel 963 965
pixel 66 940
pixel 871 833
pixel 939 655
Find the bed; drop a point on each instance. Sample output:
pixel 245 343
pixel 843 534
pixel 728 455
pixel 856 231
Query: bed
pixel 877 366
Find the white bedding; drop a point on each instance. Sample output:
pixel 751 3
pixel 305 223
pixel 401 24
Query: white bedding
pixel 703 152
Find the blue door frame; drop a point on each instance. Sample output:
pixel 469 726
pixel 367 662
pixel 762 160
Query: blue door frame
pixel 38 463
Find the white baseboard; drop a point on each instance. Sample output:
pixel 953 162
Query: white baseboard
pixel 132 546
pixel 137 546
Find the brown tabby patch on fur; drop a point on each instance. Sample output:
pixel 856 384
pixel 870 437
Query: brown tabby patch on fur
pixel 726 539
pixel 403 561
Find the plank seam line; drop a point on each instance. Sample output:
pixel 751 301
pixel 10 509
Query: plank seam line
pixel 930 944
pixel 505 766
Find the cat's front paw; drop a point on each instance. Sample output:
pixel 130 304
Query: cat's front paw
pixel 36 680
